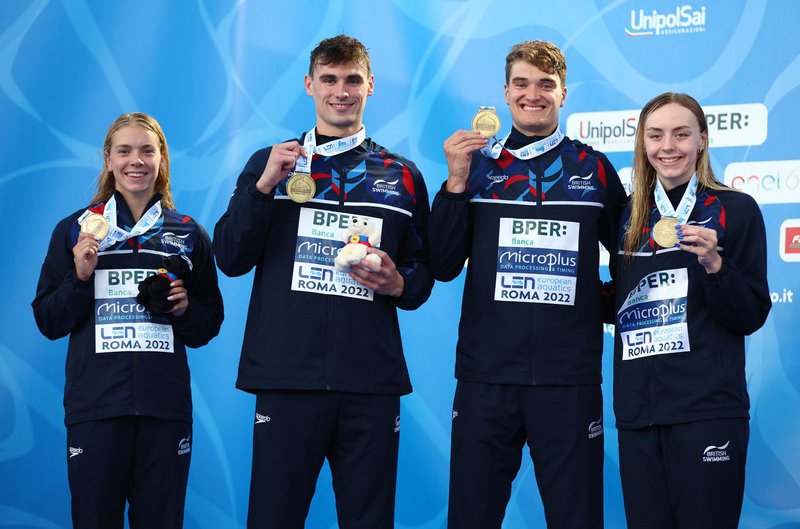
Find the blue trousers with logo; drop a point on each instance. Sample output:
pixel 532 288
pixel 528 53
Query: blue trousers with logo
pixel 295 431
pixel 684 476
pixel 563 428
pixel 140 460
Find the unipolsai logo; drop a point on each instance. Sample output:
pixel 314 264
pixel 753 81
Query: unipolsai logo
pixel 608 131
pixel 682 20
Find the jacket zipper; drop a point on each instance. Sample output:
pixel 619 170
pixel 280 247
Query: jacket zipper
pixel 135 367
pixel 651 379
pixel 332 302
pixel 534 307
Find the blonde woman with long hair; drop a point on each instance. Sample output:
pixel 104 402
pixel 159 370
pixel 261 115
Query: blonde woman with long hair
pixel 691 284
pixel 127 396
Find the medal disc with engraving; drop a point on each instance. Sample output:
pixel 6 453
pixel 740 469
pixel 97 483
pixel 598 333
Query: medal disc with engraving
pixel 486 122
pixel 95 224
pixel 301 187
pixel 664 232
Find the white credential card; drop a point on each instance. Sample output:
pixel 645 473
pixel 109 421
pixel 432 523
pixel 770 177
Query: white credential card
pixel 537 261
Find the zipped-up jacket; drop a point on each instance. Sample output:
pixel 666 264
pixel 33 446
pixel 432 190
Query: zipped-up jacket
pixel 529 233
pixel 680 330
pixel 120 359
pixel 309 327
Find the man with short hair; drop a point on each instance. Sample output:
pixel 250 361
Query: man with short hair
pixel 528 212
pixel 322 350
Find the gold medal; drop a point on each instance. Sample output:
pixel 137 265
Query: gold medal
pixel 95 224
pixel 301 187
pixel 664 232
pixel 486 122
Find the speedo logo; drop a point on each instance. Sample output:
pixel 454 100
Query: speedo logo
pixel 497 178
pixel 581 183
pixel 716 454
pixel 75 451
pixel 262 418
pixel 397 424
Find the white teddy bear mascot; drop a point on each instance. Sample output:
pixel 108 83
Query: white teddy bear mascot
pixel 358 236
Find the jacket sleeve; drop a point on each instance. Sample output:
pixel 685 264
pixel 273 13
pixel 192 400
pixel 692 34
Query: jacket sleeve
pixel 612 210
pixel 450 233
pixel 412 257
pixel 742 280
pixel 609 231
pixel 203 317
pixel 62 300
pixel 241 232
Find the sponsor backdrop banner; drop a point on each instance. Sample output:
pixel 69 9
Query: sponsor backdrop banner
pixel 226 78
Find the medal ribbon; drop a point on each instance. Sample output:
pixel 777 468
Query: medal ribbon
pixel 685 206
pixel 532 150
pixel 331 148
pixel 117 234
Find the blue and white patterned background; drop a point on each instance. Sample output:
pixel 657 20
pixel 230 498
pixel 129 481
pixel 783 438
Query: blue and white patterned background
pixel 225 78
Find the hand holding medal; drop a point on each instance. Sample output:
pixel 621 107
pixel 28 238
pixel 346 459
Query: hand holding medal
pixel 301 186
pixel 84 253
pixel 282 160
pixel 702 242
pixel 459 147
pixel 94 228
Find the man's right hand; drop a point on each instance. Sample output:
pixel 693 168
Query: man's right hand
pixel 458 150
pixel 282 160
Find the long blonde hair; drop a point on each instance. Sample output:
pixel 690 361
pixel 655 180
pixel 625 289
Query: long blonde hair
pixel 644 174
pixel 106 183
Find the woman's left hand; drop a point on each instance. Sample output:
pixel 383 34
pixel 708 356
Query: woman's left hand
pixel 703 243
pixel 180 296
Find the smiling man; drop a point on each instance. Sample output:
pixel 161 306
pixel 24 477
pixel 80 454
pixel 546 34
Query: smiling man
pixel 322 349
pixel 528 212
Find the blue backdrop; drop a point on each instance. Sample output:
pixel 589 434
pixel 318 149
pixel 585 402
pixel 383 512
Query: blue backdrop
pixel 224 78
